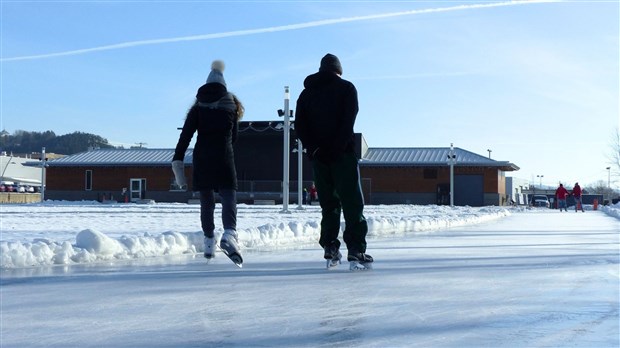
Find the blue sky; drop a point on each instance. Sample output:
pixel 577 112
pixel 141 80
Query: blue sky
pixel 535 82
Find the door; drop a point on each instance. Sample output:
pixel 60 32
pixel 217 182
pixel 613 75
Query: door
pixel 469 190
pixel 137 189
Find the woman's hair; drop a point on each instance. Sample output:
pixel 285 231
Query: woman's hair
pixel 240 108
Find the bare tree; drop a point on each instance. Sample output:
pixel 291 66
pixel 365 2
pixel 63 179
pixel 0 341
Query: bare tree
pixel 614 154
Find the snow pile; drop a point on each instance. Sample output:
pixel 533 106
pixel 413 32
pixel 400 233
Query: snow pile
pixel 87 232
pixel 612 210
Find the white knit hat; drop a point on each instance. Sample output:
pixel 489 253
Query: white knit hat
pixel 216 75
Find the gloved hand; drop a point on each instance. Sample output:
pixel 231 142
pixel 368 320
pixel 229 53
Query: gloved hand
pixel 178 168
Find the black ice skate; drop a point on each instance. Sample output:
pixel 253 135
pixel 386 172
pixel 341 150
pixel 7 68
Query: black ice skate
pixel 332 255
pixel 359 261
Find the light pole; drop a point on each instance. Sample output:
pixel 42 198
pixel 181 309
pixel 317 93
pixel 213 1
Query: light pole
pixel 608 177
pixel 489 152
pixel 300 175
pixel 451 162
pixel 540 180
pixel 286 147
pixel 43 175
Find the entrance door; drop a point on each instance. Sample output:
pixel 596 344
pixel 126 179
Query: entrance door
pixel 443 194
pixel 137 189
pixel 469 190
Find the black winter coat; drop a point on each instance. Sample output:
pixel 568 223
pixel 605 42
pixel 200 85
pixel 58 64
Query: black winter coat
pixel 325 114
pixel 214 117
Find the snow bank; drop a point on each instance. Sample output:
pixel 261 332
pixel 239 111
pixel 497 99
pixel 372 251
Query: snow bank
pixel 612 210
pixel 96 232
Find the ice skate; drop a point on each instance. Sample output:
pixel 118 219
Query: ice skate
pixel 209 251
pixel 359 261
pixel 230 246
pixel 332 255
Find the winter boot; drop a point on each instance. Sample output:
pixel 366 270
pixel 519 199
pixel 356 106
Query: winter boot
pixel 359 261
pixel 210 243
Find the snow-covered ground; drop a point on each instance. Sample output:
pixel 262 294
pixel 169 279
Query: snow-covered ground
pixel 93 275
pixel 88 232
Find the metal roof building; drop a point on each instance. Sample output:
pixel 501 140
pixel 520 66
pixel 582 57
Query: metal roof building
pixel 428 156
pixel 389 175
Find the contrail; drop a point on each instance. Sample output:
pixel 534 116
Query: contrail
pixel 271 29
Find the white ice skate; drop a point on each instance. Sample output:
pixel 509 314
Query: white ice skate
pixel 230 246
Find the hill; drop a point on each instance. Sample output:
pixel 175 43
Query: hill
pixel 28 142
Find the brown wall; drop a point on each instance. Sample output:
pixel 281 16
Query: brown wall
pixel 109 178
pixel 411 179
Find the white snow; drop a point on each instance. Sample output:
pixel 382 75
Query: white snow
pixel 91 275
pixel 86 232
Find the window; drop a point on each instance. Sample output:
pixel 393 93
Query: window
pixel 89 180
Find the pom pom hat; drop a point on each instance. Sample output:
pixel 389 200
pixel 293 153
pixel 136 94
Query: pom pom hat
pixel 216 75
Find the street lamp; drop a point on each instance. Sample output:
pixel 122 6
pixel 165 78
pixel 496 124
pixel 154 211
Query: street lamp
pixel 43 165
pixel 451 162
pixel 608 177
pixel 300 176
pixel 540 180
pixel 286 147
pixel 489 152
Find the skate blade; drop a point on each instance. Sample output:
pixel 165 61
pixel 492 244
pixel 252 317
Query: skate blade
pixel 359 266
pixel 234 257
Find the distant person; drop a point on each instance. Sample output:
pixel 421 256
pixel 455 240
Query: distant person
pixel 560 194
pixel 313 194
pixel 325 116
pixel 305 196
pixel 577 195
pixel 214 115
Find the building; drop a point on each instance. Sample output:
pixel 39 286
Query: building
pixel 389 175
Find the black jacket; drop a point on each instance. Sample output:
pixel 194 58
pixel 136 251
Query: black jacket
pixel 325 114
pixel 214 117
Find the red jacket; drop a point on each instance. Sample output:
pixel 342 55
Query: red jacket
pixel 577 191
pixel 561 193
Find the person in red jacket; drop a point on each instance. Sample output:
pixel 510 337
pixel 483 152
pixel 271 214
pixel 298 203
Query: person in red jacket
pixel 560 194
pixel 577 195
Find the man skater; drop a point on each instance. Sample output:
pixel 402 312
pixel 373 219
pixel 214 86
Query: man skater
pixel 325 116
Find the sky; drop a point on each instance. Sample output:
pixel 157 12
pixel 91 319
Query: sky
pixel 128 275
pixel 534 82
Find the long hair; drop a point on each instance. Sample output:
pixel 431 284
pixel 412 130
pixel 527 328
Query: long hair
pixel 240 107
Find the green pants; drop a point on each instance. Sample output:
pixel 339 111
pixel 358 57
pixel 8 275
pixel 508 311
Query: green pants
pixel 339 190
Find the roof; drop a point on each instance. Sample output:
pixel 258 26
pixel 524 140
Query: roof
pixel 411 156
pixel 120 157
pixel 429 156
pixel 17 170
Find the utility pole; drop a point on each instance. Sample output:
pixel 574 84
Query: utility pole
pixel 286 151
pixel 451 162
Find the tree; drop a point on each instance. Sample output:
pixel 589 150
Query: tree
pixel 28 142
pixel 614 154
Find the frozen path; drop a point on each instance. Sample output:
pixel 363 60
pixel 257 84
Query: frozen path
pixel 542 279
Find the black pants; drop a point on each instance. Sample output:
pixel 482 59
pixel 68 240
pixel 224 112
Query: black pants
pixel 339 190
pixel 207 209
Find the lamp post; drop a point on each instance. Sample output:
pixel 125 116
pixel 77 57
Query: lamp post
pixel 43 175
pixel 451 162
pixel 286 147
pixel 489 152
pixel 300 175
pixel 540 180
pixel 608 177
